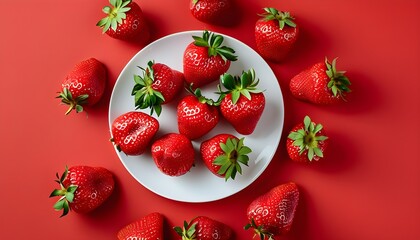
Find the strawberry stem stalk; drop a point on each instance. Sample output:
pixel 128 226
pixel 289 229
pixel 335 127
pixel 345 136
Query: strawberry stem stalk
pixel 76 104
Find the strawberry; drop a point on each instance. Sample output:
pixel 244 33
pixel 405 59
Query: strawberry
pixel 84 85
pixel 197 115
pixel 83 189
pixel 173 154
pixel 223 155
pixel 275 34
pixel 125 21
pixel 211 11
pixel 320 84
pixel 306 142
pixel 272 213
pixel 204 228
pixel 205 59
pixel 242 104
pixel 149 227
pixel 158 85
pixel 132 132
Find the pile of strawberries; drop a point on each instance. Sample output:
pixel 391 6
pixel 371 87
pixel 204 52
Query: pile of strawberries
pixel 240 102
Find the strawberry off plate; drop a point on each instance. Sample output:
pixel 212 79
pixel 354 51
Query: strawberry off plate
pixel 200 185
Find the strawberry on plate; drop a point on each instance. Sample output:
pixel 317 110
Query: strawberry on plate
pixel 84 85
pixel 243 103
pixel 125 21
pixel 197 115
pixel 275 34
pixel 132 132
pixel 149 227
pixel 205 59
pixel 320 84
pixel 204 228
pixel 173 154
pixel 223 155
pixel 307 142
pixel 211 11
pixel 272 213
pixel 82 189
pixel 159 85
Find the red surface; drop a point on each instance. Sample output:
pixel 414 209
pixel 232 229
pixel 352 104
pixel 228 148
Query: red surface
pixel 368 188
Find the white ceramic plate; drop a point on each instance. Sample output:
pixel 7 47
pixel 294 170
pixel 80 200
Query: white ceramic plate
pixel 200 185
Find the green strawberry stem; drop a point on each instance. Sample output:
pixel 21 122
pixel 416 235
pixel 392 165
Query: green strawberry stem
pixel 66 194
pixel 213 42
pixel 115 14
pixel 283 18
pixel 200 97
pixel 339 83
pixel 76 104
pixel 307 138
pixel 187 232
pixel 235 154
pixel 144 94
pixel 259 230
pixel 237 86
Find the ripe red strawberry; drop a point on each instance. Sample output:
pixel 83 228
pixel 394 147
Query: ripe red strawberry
pixel 204 228
pixel 272 213
pixel 206 59
pixel 149 227
pixel 197 115
pixel 306 142
pixel 275 34
pixel 158 85
pixel 223 155
pixel 83 189
pixel 84 85
pixel 242 104
pixel 124 21
pixel 133 132
pixel 320 84
pixel 211 11
pixel 173 154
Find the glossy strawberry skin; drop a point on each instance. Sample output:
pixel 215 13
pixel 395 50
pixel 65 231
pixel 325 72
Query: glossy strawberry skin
pixel 149 227
pixel 311 85
pixel 245 114
pixel 210 150
pixel 133 132
pixel 167 81
pixel 200 68
pixel 210 11
pixel 273 43
pixel 134 27
pixel 173 154
pixel 195 119
pixel 94 186
pixel 274 211
pixel 87 77
pixel 293 150
pixel 209 229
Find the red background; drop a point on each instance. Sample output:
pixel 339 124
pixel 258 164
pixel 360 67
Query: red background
pixel 367 188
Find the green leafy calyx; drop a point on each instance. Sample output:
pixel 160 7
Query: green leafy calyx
pixel 187 232
pixel 283 18
pixel 116 13
pixel 308 138
pixel 239 85
pixel 202 99
pixel 144 94
pixel 234 154
pixel 66 194
pixel 74 103
pixel 259 231
pixel 214 44
pixel 339 83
